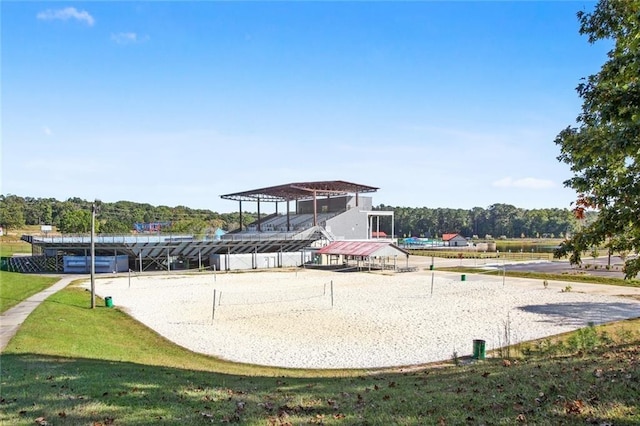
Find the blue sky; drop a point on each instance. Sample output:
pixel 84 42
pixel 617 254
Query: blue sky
pixel 439 104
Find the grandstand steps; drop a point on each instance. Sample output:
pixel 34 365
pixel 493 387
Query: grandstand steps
pixel 31 264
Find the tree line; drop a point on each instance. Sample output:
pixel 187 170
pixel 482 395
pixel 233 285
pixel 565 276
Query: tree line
pixel 496 221
pixel 74 216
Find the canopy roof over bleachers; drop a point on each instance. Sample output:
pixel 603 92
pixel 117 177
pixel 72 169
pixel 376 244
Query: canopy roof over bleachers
pixel 300 190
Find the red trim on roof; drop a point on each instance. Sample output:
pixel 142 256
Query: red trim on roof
pixel 448 237
pixel 356 248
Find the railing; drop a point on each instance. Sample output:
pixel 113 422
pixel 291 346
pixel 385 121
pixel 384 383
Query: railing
pixel 105 239
pixel 162 238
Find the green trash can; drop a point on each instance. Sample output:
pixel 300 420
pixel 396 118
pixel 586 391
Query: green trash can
pixel 463 277
pixel 108 302
pixel 431 267
pixel 478 349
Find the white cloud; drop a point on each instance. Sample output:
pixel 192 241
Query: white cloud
pixel 128 38
pixel 47 131
pixel 524 183
pixel 65 14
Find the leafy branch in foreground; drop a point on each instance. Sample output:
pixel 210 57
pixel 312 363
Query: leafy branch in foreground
pixel 604 150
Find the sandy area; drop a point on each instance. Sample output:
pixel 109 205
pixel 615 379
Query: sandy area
pixel 290 319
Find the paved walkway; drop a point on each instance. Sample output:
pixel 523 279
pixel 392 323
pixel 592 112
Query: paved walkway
pixel 12 319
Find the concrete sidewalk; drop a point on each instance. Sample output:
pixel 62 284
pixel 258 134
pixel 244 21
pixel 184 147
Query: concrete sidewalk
pixel 12 319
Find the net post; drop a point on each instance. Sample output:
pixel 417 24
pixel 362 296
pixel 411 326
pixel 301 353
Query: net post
pixel 332 293
pixel 213 306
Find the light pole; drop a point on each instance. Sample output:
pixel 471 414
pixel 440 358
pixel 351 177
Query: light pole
pixel 93 255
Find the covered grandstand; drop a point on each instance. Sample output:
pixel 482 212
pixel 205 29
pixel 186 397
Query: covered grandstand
pixel 323 212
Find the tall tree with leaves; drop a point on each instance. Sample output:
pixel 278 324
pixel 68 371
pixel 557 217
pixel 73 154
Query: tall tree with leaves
pixel 604 149
pixel 11 211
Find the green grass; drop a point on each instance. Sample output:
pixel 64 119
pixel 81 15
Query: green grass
pixel 71 365
pixel 15 287
pixel 577 278
pixel 468 254
pixel 9 247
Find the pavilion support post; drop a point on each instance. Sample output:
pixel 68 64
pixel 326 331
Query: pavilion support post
pixel 259 219
pixel 255 258
pixel 240 202
pixel 315 208
pixel 288 218
pixel 168 261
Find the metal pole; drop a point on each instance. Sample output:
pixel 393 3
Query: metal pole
pixel 199 260
pixel 504 274
pixel 332 293
pixel 129 277
pixel 432 274
pixel 140 260
pixel 93 256
pixel 213 308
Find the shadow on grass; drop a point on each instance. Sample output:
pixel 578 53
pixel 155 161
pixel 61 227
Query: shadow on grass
pixel 581 314
pixel 86 391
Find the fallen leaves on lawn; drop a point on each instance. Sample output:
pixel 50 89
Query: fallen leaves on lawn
pixel 574 407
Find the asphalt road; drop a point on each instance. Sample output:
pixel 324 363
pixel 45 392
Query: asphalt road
pixel 561 267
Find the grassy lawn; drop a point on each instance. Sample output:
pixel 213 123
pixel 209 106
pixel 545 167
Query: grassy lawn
pixel 468 254
pixel 9 247
pixel 70 365
pixel 15 287
pixel 577 278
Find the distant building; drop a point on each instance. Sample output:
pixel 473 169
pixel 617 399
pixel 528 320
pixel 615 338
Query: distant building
pixel 454 240
pixel 150 227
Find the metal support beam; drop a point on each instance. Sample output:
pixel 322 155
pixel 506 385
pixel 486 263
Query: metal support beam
pixel 315 209
pixel 259 218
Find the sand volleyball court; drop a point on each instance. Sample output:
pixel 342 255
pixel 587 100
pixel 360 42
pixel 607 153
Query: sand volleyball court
pixel 317 319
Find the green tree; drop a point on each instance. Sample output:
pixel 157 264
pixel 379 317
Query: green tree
pixel 114 226
pixel 190 226
pixel 76 221
pixel 603 150
pixel 12 211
